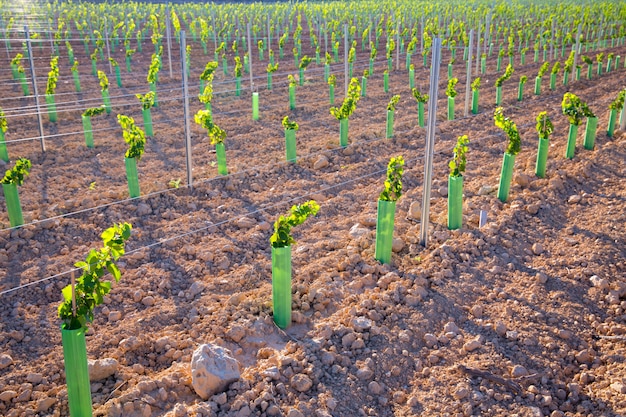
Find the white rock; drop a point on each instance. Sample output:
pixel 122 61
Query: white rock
pixel 451 327
pixel 245 223
pixel 195 289
pixel 472 345
pixel 618 387
pixel 100 369
pixel 357 231
pixel 486 190
pixel 600 283
pixel 8 395
pixel 537 248
pixel 213 368
pixel 518 370
pixel 301 382
pixel 44 404
pixel 321 162
pixel 375 388
pixel 361 324
pixel 5 361
pixel 115 315
pixel 415 210
pixel 573 199
pixel 397 245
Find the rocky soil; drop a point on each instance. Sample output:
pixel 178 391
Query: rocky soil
pixel 524 316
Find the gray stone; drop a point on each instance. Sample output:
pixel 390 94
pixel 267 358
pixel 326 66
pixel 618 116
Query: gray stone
pixel 5 361
pixel 213 368
pixel 321 162
pixel 301 382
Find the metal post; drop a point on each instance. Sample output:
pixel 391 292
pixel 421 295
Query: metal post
pixel 397 46
pixel 186 115
pixel 214 27
pixel 35 93
pixel 469 60
pixel 422 35
pixel 487 29
pixel 250 57
pixel 430 140
pixel 468 80
pixel 552 48
pixel 106 38
pixel 269 34
pixel 168 35
pixel 345 57
pixel 580 28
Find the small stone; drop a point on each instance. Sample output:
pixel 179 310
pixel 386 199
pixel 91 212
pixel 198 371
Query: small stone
pixel 293 413
pixel 532 208
pixel 272 373
pixel 43 404
pixel 195 289
pixel 7 396
pixel 537 248
pixel 486 190
pixel 236 333
pixel 451 327
pixel 541 277
pixel 584 356
pixel 375 388
pixel 415 211
pixel 213 369
pixel 361 324
pixel 600 283
pixel 472 345
pixel 115 315
pixel 34 378
pixel 618 387
pixel 477 311
pixel 522 180
pixel 574 199
pixel 148 301
pixel 518 371
pixel 245 223
pixel 321 162
pixel 357 231
pixel 500 328
pixel 100 369
pixel 461 392
pixel 430 340
pixel 364 373
pixel 397 245
pixel 301 382
pixel 564 334
pixel 443 191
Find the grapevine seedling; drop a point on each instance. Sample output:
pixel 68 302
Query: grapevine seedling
pixel 282 227
pixel 457 164
pixel 544 125
pixel 510 129
pixel 419 97
pixel 17 174
pixel 133 135
pixel 393 183
pixel 215 133
pixel 507 74
pixel 475 85
pixel 391 106
pixel 450 91
pixel 289 125
pixel 76 310
pixel 349 102
pixel 147 100
pixel 574 108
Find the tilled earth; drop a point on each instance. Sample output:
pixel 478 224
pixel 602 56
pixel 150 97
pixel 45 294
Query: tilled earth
pixel 524 316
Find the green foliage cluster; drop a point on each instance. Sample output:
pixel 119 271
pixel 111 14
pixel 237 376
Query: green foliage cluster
pixel 393 102
pixel 133 135
pixel 507 74
pixel 556 68
pixel 113 62
pixel 74 66
pixel 586 60
pixel 419 97
pixel 569 63
pixel 209 70
pixel 3 121
pixel 289 125
pixel 89 290
pixel 393 182
pixel 215 133
pixel 450 91
pixel 304 62
pixel 544 125
pixel 475 85
pixel 17 174
pixel 298 215
pixel 104 81
pixel 510 129
pixel 574 108
pixel 600 57
pixel 17 60
pixel 349 102
pixel 523 79
pixel 147 100
pixel 153 70
pixel 373 51
pixel 94 111
pixel 53 75
pixel 207 76
pixel 292 80
pixel 459 160
pixel 238 67
pixel 272 68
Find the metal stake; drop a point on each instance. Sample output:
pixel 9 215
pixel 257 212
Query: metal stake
pixel 468 80
pixel 35 93
pixel 186 115
pixel 430 140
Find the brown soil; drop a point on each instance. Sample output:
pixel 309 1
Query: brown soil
pixel 524 316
